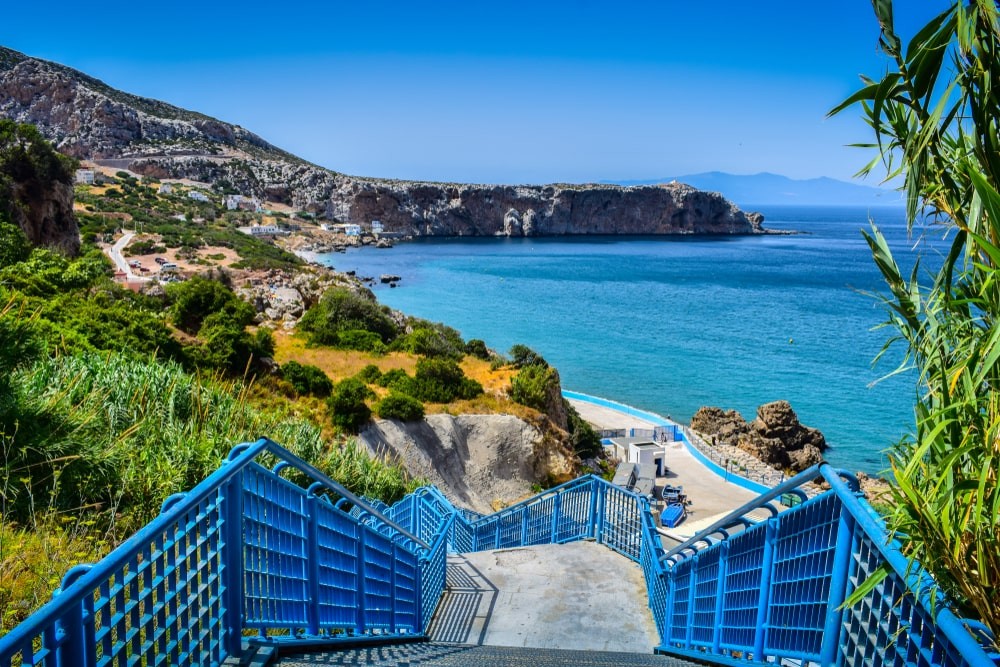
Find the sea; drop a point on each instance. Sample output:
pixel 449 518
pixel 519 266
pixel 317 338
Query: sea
pixel 671 324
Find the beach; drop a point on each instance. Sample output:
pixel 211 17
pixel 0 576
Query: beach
pixel 711 496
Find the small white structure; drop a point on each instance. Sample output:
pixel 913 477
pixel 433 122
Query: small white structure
pixel 85 176
pixel 639 450
pixel 165 189
pixel 262 230
pixel 198 196
pixel 232 202
pixel 376 226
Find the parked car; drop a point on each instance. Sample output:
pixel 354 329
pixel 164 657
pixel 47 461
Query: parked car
pixel 159 260
pixel 135 264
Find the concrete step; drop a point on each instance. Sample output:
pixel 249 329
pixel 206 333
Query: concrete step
pixel 439 654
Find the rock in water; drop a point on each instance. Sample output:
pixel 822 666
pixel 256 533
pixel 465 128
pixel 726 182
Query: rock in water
pixel 775 437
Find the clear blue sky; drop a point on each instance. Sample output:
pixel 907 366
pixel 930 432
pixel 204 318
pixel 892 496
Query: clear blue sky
pixel 515 92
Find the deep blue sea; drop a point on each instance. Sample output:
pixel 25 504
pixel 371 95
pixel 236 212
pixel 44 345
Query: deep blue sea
pixel 670 324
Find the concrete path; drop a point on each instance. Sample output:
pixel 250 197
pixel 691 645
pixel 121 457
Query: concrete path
pixel 710 495
pixel 574 596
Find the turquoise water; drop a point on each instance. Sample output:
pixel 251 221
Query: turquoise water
pixel 672 324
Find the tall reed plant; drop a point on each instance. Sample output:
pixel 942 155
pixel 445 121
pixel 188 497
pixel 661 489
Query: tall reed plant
pixel 936 120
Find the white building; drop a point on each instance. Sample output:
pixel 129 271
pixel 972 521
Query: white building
pixel 262 230
pixel 376 226
pixel 232 202
pixel 641 451
pixel 198 196
pixel 165 189
pixel 85 176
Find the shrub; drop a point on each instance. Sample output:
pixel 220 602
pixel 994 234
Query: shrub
pixel 370 374
pixel 14 245
pixel 477 348
pixel 582 436
pixel 533 385
pixel 442 381
pixel 431 340
pixel 400 406
pixel 357 339
pixel 339 310
pixel 397 379
pixel 522 355
pixel 192 301
pixel 348 408
pixel 307 379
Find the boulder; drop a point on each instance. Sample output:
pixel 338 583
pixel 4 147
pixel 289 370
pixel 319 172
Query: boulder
pixel 775 436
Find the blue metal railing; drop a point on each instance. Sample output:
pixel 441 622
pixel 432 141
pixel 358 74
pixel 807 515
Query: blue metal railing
pixel 245 549
pixel 251 549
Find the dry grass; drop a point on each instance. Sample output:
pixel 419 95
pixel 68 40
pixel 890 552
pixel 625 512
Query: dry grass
pixel 338 364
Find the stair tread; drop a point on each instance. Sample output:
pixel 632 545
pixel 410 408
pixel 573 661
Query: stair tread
pixel 441 654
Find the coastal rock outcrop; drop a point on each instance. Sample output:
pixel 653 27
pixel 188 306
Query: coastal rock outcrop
pixel 775 436
pixel 480 461
pixel 88 119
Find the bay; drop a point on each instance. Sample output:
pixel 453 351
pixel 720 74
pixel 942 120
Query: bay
pixel 670 324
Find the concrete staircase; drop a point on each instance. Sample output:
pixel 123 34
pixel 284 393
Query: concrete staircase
pixel 437 654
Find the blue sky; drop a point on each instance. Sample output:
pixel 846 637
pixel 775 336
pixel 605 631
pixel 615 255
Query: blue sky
pixel 514 92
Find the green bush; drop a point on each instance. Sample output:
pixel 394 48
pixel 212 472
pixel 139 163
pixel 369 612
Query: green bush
pixel 442 381
pixel 370 374
pixel 400 406
pixel 349 410
pixel 341 310
pixel 533 385
pixel 192 301
pixel 14 245
pixel 522 355
pixel 357 339
pixel 582 436
pixel 307 379
pixel 429 339
pixel 396 378
pixel 477 348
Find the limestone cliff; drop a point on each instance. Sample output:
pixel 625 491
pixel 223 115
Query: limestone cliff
pixel 89 119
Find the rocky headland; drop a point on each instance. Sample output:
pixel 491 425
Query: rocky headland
pixel 87 118
pixel 775 437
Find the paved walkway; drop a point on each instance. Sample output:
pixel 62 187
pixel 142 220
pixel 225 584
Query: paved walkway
pixel 576 596
pixel 710 495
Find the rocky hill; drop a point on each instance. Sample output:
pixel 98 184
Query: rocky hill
pixel 89 119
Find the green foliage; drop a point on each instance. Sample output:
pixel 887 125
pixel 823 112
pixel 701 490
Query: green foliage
pixel 365 475
pixel 348 406
pixel 394 378
pixel 582 437
pixel 14 245
pixel 307 379
pixel 370 374
pixel 357 339
pixel 340 310
pixel 400 406
pixel 522 355
pixel 47 273
pixel 533 386
pixel 477 348
pixel 28 160
pixel 192 301
pixel 430 339
pixel 441 381
pixel 936 118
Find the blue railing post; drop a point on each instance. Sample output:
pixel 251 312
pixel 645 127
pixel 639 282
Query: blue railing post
pixel 692 589
pixel 720 595
pixel 233 563
pixel 770 537
pixel 593 508
pixel 361 620
pixel 838 588
pixel 601 493
pixel 312 549
pixel 556 508
pixel 393 555
pixel 75 650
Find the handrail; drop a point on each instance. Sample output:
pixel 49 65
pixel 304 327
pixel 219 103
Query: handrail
pixel 736 517
pixel 547 493
pixel 300 465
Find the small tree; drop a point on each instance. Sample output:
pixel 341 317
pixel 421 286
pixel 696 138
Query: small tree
pixel 348 406
pixel 400 406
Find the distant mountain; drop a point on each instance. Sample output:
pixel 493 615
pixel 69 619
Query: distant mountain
pixel 764 188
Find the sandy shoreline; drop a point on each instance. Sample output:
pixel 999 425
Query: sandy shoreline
pixel 711 496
